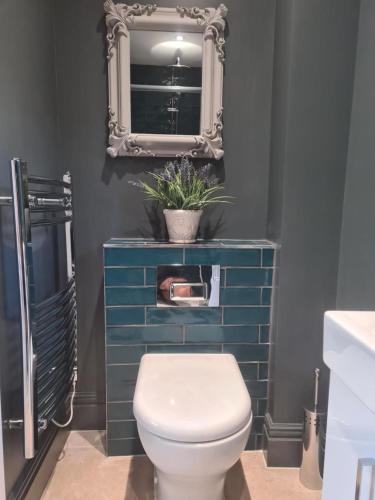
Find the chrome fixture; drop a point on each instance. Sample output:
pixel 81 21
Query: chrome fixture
pixel 188 286
pixel 181 89
pixel 48 328
pixel 311 471
pixel 178 64
pixel 200 296
pixel 366 466
pixel 6 200
pixel 21 212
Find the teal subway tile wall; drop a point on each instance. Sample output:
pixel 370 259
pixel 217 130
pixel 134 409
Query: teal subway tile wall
pixel 135 325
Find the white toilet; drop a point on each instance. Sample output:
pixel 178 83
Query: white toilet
pixel 194 417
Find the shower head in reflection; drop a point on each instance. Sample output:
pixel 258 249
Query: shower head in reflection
pixel 178 64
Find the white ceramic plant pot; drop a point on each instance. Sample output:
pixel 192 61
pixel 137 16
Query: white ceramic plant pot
pixel 182 225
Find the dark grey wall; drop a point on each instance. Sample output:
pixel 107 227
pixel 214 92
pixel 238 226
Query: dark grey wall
pixel 28 120
pixel 105 204
pixel 28 128
pixel 356 288
pixel 315 53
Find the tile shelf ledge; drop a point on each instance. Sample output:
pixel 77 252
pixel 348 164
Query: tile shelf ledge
pixel 200 243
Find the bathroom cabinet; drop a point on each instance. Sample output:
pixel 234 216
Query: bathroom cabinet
pixel 349 351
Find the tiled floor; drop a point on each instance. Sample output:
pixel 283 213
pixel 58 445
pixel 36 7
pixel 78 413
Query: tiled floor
pixel 84 472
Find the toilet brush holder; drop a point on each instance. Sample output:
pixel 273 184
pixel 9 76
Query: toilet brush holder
pixel 311 471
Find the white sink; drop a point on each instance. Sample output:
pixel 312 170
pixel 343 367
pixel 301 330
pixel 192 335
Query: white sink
pixel 349 351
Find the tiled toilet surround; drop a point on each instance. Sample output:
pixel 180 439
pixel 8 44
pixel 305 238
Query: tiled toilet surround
pixel 134 325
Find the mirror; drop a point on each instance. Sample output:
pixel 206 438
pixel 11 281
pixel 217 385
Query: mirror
pixel 165 82
pixel 165 78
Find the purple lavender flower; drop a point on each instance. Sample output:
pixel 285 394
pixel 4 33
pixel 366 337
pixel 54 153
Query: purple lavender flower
pixel 181 186
pixel 186 169
pixel 168 173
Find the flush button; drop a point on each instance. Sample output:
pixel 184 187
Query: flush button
pixel 188 286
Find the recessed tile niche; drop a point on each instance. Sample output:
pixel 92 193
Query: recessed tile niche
pixel 134 325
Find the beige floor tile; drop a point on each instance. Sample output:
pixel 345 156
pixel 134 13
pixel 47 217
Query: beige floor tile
pixel 85 473
pixel 86 439
pixel 265 483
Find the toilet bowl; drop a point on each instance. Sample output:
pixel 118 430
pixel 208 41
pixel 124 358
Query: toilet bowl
pixel 194 417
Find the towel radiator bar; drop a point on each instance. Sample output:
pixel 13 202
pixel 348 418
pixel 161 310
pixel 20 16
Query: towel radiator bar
pixel 48 328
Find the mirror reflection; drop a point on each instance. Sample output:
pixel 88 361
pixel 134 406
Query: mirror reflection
pixel 188 286
pixel 166 82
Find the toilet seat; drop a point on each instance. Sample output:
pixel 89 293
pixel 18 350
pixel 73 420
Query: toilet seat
pixel 191 398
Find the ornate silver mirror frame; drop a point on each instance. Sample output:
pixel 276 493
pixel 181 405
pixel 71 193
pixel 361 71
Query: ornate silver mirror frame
pixel 120 20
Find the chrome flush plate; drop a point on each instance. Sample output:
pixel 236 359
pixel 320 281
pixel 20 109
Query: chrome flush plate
pixel 188 286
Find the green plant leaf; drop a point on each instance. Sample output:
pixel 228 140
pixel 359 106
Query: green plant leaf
pixel 181 186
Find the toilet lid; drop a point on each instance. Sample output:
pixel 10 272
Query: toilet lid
pixel 191 397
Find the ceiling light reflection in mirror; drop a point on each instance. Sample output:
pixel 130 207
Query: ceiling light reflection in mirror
pixel 161 48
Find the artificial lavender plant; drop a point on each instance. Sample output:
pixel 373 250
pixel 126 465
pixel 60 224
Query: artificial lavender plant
pixel 181 186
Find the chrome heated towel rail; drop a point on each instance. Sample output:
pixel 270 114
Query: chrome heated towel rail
pixel 48 328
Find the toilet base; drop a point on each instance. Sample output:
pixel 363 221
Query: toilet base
pixel 192 471
pixel 172 487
